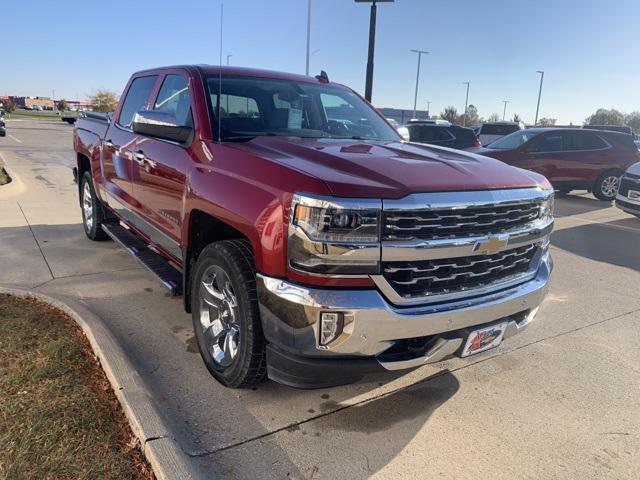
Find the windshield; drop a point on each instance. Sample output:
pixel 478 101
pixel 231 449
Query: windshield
pixel 513 140
pixel 251 107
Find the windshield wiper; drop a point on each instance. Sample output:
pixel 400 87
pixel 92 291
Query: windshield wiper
pixel 238 138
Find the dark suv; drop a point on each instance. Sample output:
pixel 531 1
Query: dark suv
pixel 443 134
pixel 570 158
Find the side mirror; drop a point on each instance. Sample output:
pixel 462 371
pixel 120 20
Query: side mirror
pixel 161 125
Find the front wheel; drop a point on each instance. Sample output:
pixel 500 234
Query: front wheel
pixel 606 186
pixel 225 313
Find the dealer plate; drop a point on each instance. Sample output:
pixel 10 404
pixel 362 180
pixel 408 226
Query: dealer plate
pixel 484 339
pixel 633 195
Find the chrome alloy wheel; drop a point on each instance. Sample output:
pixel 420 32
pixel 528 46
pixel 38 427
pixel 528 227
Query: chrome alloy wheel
pixel 87 206
pixel 219 316
pixel 610 186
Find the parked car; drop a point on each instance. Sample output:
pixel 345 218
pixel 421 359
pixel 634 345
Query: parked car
pixel 3 128
pixel 610 128
pixel 442 134
pixel 310 243
pixel 570 158
pixel 492 131
pixel 637 142
pixel 628 197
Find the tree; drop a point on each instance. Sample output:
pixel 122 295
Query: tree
pixel 605 117
pixel 516 118
pixel 63 105
pixel 103 101
pixel 8 106
pixel 472 116
pixel 633 120
pixel 450 114
pixel 546 122
pixel 494 117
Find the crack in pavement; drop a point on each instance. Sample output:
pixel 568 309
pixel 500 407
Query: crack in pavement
pixel 36 240
pixel 207 452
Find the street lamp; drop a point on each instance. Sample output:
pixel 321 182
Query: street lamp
pixel 372 43
pixel 504 112
pixel 306 70
pixel 466 103
pixel 539 95
pixel 228 57
pixel 415 97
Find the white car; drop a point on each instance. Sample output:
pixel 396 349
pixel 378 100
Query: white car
pixel 492 131
pixel 628 197
pixel 637 142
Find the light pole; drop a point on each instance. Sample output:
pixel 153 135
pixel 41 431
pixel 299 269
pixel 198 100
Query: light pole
pixel 372 44
pixel 306 70
pixel 428 109
pixel 539 95
pixel 504 112
pixel 415 97
pixel 228 57
pixel 466 104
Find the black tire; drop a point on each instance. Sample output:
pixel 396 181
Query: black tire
pixel 93 225
pixel 602 187
pixel 247 366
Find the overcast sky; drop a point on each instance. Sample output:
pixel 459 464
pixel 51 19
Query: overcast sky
pixel 590 50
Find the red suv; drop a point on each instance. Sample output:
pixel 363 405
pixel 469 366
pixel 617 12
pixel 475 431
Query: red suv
pixel 570 158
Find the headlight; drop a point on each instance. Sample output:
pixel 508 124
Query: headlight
pixel 546 208
pixel 333 236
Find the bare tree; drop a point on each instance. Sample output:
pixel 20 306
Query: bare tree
pixel 451 114
pixel 103 101
pixel 63 105
pixel 516 118
pixel 494 117
pixel 472 116
pixel 546 122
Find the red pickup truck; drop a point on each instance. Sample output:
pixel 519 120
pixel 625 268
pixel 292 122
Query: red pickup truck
pixel 311 243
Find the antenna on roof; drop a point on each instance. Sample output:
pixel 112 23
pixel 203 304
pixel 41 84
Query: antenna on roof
pixel 220 76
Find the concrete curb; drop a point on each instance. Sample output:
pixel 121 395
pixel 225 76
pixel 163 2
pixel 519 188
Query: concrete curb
pixel 14 187
pixel 168 460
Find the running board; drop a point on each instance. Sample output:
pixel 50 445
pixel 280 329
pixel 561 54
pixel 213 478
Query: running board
pixel 155 263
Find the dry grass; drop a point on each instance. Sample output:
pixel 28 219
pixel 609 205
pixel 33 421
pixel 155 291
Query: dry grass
pixel 59 418
pixel 4 177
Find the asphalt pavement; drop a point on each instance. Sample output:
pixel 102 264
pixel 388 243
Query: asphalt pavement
pixel 558 401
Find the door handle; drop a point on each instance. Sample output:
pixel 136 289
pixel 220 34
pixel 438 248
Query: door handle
pixel 109 144
pixel 139 157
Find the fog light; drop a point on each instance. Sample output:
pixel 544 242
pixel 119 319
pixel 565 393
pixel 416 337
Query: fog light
pixel 331 324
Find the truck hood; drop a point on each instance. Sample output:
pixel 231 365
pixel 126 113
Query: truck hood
pixel 353 168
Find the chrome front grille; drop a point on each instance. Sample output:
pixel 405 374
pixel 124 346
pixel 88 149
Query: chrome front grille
pixel 444 276
pixel 437 223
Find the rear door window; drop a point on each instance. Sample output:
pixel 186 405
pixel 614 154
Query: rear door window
pixel 136 99
pixel 492 129
pixel 546 142
pixel 582 141
pixel 423 133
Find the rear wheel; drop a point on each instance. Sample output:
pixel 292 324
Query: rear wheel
pixel 92 212
pixel 606 186
pixel 226 318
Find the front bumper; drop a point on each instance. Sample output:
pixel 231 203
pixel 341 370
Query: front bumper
pixel 375 330
pixel 626 205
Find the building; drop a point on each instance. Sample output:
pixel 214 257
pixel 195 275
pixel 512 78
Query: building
pixel 30 102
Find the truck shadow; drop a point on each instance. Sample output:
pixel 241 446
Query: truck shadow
pixel 275 426
pixel 617 246
pixel 567 205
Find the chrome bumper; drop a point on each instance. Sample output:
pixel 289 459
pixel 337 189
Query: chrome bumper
pixel 290 316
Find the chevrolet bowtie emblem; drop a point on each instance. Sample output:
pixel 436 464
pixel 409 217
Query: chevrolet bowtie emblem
pixel 491 245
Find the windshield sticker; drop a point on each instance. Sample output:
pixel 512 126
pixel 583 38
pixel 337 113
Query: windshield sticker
pixel 295 118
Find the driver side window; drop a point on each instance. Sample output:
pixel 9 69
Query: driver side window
pixel 546 142
pixel 174 98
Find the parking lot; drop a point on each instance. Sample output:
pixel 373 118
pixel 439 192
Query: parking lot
pixel 559 401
